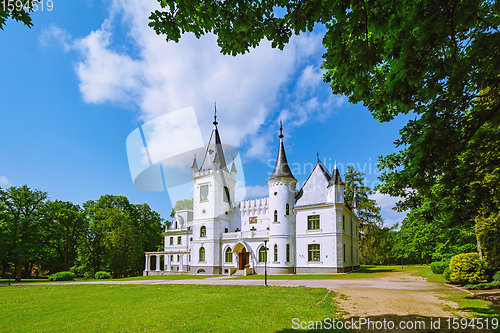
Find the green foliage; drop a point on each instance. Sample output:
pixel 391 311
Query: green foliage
pixel 483 286
pixel 467 268
pixel 438 267
pixel 102 275
pixel 62 276
pixel 378 245
pixel 16 11
pixel 488 234
pixel 496 277
pixel 369 211
pixel 447 274
pixel 22 223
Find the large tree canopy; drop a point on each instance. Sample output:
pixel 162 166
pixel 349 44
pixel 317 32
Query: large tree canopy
pixel 438 60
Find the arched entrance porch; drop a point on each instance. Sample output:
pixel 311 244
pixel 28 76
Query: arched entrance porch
pixel 243 255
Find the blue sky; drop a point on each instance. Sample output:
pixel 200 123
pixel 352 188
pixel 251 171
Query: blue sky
pixel 88 73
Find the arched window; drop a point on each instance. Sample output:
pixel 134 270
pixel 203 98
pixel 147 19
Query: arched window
pixel 287 209
pixel 275 216
pixel 287 252
pixel 275 252
pixel 262 254
pixel 202 253
pixel 175 225
pixel 229 255
pixel 203 231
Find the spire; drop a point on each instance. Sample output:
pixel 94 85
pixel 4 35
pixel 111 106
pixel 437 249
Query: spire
pixel 336 179
pixel 215 116
pixel 194 167
pixel 214 147
pixel 233 168
pixel 281 168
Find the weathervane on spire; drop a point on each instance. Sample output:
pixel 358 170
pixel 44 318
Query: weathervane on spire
pixel 317 155
pixel 281 130
pixel 215 116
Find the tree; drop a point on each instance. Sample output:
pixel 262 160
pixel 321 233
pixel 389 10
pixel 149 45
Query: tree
pixel 65 226
pixel 22 222
pixel 182 204
pixel 117 236
pixel 369 211
pixel 17 10
pixel 435 59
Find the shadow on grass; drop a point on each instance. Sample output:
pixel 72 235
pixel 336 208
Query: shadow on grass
pixel 399 323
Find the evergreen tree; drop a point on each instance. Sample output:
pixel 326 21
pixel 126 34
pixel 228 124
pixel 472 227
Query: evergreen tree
pixel 369 211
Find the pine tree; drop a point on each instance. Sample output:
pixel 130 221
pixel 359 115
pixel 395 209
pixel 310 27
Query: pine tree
pixel 369 211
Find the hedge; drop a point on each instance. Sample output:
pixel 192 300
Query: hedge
pixel 102 275
pixel 62 276
pixel 484 286
pixel 438 267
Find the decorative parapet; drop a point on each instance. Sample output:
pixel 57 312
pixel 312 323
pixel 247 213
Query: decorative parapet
pixel 246 234
pixel 252 205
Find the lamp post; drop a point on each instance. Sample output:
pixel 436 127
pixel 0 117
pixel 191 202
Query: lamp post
pixel 265 262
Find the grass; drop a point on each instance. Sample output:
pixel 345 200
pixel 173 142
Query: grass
pixel 365 272
pixel 426 273
pixel 474 306
pixel 161 308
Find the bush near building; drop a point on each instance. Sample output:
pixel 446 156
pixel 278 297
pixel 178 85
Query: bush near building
pixel 62 276
pixel 467 268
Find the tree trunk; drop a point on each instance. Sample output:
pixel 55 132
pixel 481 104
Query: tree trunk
pixel 479 250
pixel 19 271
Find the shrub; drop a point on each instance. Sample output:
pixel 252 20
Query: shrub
pixel 446 274
pixel 438 267
pixel 496 277
pixel 102 275
pixel 62 276
pixel 467 268
pixel 484 286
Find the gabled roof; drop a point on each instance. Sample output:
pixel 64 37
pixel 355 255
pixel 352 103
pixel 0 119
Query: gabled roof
pixel 314 190
pixel 214 149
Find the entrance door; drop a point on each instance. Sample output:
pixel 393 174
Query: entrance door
pixel 243 258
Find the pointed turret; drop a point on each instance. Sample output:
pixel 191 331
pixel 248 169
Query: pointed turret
pixel 194 167
pixel 214 147
pixel 233 169
pixel 281 168
pixel 216 162
pixel 336 179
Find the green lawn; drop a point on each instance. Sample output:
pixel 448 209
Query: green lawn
pixel 426 272
pixel 160 308
pixel 365 272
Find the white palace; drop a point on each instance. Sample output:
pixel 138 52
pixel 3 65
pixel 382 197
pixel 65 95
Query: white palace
pixel 311 230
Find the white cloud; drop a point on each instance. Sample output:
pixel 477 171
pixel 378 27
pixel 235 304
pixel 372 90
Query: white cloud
pixel 4 181
pixel 257 191
pixel 161 77
pixel 386 203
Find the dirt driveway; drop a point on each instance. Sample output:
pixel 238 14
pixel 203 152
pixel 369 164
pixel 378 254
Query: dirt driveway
pixel 414 309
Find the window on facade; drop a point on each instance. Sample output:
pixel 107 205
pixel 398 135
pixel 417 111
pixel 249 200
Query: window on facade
pixel 313 222
pixel 226 196
pixel 287 209
pixel 204 193
pixel 287 252
pixel 229 255
pixel 313 252
pixel 344 252
pixel 275 216
pixel 226 230
pixel 343 222
pixel 262 254
pixel 171 240
pixel 175 225
pixel 203 231
pixel 275 252
pixel 179 240
pixel 202 253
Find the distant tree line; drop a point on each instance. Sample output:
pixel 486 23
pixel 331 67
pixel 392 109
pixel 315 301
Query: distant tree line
pixel 109 234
